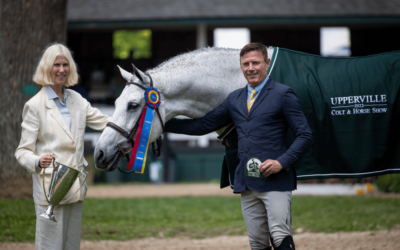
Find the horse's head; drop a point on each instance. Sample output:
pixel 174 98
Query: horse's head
pixel 128 108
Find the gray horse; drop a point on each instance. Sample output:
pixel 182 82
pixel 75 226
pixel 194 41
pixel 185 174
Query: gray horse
pixel 190 84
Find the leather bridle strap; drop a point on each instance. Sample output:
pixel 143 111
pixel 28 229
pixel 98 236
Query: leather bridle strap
pixel 120 130
pixel 162 123
pixel 144 88
pixel 137 84
pixel 158 112
pixel 129 136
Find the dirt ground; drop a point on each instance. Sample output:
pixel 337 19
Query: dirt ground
pixel 387 240
pixel 377 240
pixel 162 190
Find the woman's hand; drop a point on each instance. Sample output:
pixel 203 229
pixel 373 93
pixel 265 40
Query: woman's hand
pixel 45 160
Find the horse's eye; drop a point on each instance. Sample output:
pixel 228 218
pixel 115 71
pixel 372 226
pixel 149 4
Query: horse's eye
pixel 132 106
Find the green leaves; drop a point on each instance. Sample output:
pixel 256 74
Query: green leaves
pixel 137 42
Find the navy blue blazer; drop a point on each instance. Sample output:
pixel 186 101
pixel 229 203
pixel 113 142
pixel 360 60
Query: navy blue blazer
pixel 261 133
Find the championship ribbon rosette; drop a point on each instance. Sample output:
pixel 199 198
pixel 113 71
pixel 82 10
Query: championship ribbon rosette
pixel 139 152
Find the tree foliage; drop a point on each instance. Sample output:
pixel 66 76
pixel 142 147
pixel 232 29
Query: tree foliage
pixel 127 41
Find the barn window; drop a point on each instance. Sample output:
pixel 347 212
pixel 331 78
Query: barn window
pixel 132 43
pixel 231 37
pixel 335 41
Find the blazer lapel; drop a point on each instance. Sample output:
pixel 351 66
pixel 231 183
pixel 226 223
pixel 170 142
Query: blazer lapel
pixel 243 101
pixel 73 114
pixel 55 113
pixel 264 92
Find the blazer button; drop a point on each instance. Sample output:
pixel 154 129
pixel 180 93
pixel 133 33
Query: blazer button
pixel 247 135
pixel 248 119
pixel 246 151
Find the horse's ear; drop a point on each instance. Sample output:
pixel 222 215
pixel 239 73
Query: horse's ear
pixel 142 76
pixel 125 74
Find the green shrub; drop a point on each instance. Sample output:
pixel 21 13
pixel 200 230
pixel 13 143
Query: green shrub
pixel 389 183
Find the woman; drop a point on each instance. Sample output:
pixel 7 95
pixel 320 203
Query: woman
pixel 53 127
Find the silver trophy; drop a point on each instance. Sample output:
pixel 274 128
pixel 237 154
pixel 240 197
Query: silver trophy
pixel 62 179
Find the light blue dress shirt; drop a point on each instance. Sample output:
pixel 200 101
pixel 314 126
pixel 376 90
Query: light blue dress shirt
pixel 62 107
pixel 258 88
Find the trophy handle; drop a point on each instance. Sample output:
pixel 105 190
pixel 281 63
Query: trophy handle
pixel 86 175
pixel 51 181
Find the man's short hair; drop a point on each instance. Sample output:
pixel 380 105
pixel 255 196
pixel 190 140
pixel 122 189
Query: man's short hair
pixel 255 46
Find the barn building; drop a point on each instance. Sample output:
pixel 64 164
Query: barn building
pixel 178 26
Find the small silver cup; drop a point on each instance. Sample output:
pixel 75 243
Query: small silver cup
pixel 62 179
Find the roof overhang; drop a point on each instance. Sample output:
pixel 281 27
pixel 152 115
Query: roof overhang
pixel 233 22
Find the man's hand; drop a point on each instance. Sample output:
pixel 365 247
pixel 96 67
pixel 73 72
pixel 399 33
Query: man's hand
pixel 45 160
pixel 269 167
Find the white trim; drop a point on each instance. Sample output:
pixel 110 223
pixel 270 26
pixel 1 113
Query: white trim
pixel 398 169
pixel 371 105
pixel 339 107
pixel 365 105
pixel 273 64
pixel 230 183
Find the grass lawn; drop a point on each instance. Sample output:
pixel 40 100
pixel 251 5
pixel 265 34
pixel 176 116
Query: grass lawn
pixel 199 217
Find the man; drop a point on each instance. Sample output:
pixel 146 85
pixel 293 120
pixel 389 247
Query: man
pixel 262 112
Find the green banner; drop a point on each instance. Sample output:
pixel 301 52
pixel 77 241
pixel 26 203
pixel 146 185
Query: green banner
pixel 352 105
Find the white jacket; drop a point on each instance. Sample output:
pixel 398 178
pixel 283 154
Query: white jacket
pixel 44 131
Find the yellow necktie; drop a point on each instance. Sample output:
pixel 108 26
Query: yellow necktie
pixel 251 99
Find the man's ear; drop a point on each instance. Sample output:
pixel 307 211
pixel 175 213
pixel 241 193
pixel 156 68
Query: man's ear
pixel 268 62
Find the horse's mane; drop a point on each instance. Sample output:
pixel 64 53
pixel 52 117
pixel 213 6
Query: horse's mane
pixel 187 56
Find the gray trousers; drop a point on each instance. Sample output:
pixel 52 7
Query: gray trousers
pixel 266 213
pixel 65 234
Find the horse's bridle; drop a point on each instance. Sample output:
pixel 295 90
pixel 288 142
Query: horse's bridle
pixel 126 146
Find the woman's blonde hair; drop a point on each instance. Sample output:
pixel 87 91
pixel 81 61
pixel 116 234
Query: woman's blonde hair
pixel 42 73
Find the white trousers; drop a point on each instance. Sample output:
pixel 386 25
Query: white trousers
pixel 266 213
pixel 65 234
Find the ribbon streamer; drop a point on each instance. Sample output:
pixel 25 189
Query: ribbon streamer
pixel 139 152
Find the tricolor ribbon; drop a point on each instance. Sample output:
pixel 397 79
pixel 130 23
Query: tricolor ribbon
pixel 139 152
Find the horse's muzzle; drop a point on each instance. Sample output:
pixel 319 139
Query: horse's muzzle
pixel 102 163
pixel 126 148
pixel 115 162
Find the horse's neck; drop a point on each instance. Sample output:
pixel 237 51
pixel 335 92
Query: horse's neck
pixel 196 84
